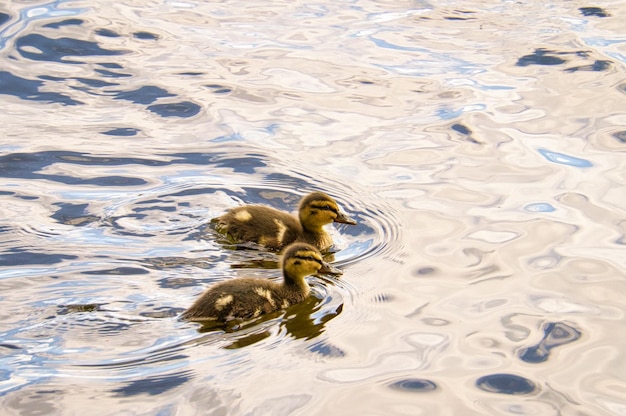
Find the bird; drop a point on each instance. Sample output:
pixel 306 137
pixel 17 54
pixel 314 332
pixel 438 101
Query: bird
pixel 274 229
pixel 248 298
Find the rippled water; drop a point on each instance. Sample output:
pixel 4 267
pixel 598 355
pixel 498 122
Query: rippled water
pixel 480 146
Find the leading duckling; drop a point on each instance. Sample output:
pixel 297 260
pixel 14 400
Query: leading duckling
pixel 248 298
pixel 275 229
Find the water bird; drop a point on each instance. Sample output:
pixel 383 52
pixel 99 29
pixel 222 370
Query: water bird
pixel 275 229
pixel 248 298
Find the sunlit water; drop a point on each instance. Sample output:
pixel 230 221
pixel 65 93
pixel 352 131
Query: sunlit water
pixel 480 146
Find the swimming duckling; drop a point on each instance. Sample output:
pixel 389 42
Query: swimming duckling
pixel 275 229
pixel 247 298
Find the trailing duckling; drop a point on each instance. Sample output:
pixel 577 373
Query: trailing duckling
pixel 275 229
pixel 248 298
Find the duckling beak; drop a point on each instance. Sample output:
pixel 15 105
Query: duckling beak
pixel 329 269
pixel 344 219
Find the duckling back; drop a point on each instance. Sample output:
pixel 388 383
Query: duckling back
pixel 266 226
pixel 244 298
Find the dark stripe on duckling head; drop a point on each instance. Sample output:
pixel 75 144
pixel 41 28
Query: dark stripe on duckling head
pixel 305 252
pixel 308 258
pixel 302 251
pixel 315 197
pixel 324 206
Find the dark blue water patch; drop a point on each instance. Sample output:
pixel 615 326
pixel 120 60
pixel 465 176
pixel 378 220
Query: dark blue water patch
pixel 111 74
pixel 540 57
pixel 620 136
pixel 248 164
pixel 327 350
pixel 29 165
pixel 122 132
pixel 460 128
pixel 20 257
pixel 464 130
pixel 594 11
pixel 110 65
pixel 219 89
pixel 96 83
pixel 597 66
pixel 190 73
pixel 505 384
pixel 153 385
pixel 28 89
pixel 107 33
pixel 118 271
pixel 10 347
pixel 156 208
pixel 66 22
pixel 25 165
pixel 27 197
pixel 106 181
pixel 145 35
pixel 4 17
pixel 144 95
pixel 564 159
pixel 413 385
pixel 292 182
pixel 555 334
pixel 181 109
pixel 73 214
pixel 56 49
pixel 87 81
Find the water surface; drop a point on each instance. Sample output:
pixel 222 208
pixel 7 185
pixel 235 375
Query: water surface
pixel 479 145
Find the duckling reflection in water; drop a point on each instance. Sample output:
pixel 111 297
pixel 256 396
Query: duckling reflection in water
pixel 248 298
pixel 275 229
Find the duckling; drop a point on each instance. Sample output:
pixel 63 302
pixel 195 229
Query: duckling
pixel 275 229
pixel 247 298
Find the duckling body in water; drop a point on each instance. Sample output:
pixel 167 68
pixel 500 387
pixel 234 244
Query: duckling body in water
pixel 248 298
pixel 275 229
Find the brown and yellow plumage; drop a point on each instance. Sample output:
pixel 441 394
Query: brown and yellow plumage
pixel 247 298
pixel 275 229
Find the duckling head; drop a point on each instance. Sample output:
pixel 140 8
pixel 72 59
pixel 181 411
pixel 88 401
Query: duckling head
pixel 318 209
pixel 301 260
